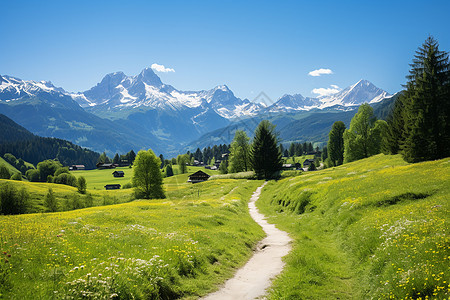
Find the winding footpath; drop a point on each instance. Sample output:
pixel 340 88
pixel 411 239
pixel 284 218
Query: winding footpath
pixel 252 280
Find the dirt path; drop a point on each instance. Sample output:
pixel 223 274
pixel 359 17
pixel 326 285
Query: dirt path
pixel 252 280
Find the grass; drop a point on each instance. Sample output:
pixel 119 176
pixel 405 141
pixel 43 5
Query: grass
pixel 376 228
pixel 180 247
pixel 97 179
pixel 9 166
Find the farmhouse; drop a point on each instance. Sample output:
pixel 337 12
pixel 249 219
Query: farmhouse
pixel 288 166
pixel 198 176
pixel 118 173
pixel 112 186
pixel 105 166
pixel 76 167
pixel 308 162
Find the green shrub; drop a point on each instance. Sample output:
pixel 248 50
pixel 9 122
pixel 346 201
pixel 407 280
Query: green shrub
pixel 16 176
pixel 12 201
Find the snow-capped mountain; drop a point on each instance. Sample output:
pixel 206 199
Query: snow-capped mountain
pixel 361 92
pixel 12 88
pixel 119 92
pixel 293 102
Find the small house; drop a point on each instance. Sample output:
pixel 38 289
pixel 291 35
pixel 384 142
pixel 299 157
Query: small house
pixel 112 186
pixel 118 174
pixel 105 166
pixel 308 162
pixel 288 166
pixel 77 167
pixel 198 176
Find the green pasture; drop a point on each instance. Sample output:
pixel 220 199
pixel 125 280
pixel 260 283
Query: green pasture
pixel 180 247
pixel 377 228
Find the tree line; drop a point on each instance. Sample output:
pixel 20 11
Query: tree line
pixel 39 149
pixel 418 127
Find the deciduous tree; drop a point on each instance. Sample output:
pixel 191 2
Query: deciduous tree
pixel 147 178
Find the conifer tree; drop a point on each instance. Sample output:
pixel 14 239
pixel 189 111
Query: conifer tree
pixel 265 155
pixel 426 112
pixel 336 143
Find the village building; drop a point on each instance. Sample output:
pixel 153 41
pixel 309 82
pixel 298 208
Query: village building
pixel 307 163
pixel 77 167
pixel 198 176
pixel 118 174
pixel 112 186
pixel 105 166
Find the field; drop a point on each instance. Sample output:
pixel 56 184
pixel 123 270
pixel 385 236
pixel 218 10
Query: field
pixel 97 179
pixel 181 246
pixel 376 228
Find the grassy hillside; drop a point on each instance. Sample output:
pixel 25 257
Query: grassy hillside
pixel 178 247
pixel 8 165
pixel 377 228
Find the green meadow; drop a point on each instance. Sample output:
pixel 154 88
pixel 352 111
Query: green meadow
pixel 179 247
pixel 377 228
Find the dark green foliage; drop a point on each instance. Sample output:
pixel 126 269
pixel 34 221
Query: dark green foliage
pixel 50 202
pixel 312 167
pixel 400 198
pixel 67 179
pixel 223 168
pixel 161 158
pixel 81 185
pixel 336 143
pixel 16 176
pixel 34 149
pixel 169 170
pixel 33 175
pixel 265 155
pixel 13 201
pixel 47 167
pixel 324 153
pixel 426 105
pixel 103 159
pixel 61 170
pixel 4 172
pixel 116 159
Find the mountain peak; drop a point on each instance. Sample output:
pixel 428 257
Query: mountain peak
pixel 149 77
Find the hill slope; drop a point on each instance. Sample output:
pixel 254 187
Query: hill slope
pixel 32 148
pixel 375 228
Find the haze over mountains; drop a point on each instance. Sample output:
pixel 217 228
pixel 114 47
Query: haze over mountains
pixel 133 112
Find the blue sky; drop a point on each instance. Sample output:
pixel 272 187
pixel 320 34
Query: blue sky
pixel 251 47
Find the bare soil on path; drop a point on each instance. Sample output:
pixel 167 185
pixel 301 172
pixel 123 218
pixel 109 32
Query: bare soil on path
pixel 252 280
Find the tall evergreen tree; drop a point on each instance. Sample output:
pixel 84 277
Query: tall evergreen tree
pixel 292 149
pixel 116 159
pixel 265 155
pixel 426 113
pixel 336 143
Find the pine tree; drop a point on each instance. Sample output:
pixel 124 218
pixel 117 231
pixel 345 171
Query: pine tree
pixel 265 155
pixel 116 159
pixel 336 143
pixel 292 150
pixel 426 113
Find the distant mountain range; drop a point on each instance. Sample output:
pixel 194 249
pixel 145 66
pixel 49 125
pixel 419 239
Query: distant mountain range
pixel 134 112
